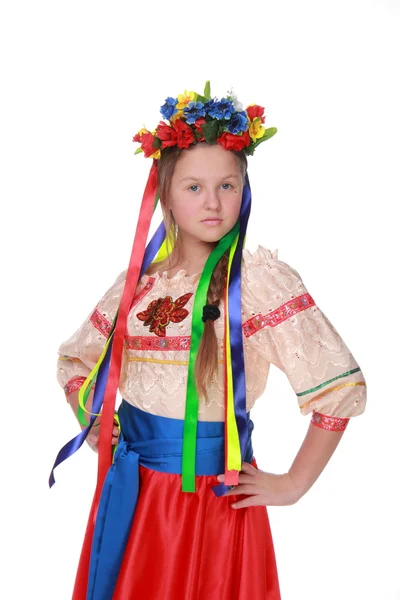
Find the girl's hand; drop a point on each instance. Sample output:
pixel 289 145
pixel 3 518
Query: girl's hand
pixel 93 435
pixel 263 489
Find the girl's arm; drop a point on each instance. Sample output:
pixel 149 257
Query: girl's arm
pixel 313 456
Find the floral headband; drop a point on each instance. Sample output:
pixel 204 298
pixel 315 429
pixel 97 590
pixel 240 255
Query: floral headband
pixel 194 118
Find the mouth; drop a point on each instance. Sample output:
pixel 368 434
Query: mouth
pixel 212 221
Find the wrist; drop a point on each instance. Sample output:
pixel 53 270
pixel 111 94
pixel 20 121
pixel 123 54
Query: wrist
pixel 299 489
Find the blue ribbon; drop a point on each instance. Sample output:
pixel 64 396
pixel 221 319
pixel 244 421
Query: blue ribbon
pixel 235 323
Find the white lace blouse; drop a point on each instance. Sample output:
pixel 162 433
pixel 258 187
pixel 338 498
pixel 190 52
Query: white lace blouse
pixel 281 325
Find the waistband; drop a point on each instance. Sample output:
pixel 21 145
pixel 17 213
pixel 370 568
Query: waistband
pixel 158 441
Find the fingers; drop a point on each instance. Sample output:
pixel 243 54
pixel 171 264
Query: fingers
pixel 242 489
pixel 249 469
pixel 249 501
pixel 245 476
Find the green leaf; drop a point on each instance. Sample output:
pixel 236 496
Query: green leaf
pixel 138 150
pixel 210 131
pixel 249 150
pixel 156 143
pixel 267 134
pixel 201 99
pixel 207 90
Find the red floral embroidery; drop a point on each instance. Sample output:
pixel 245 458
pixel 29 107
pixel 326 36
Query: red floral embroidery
pixel 329 423
pixel 75 384
pixel 149 342
pixel 162 311
pixel 279 315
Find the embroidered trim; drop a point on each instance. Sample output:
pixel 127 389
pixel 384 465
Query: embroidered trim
pixel 143 292
pixel 103 325
pixel 329 423
pixel 75 384
pixel 147 342
pixel 333 389
pixel 329 381
pixel 100 322
pixel 161 360
pixel 278 315
pixel 66 357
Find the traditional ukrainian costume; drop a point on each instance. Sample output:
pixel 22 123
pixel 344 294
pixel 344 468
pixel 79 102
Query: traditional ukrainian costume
pixel 146 538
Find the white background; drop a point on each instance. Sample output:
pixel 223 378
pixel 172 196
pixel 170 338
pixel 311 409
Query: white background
pixel 78 80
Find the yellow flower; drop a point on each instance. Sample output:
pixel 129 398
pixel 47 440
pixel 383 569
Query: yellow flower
pixel 156 154
pixel 184 99
pixel 256 129
pixel 176 116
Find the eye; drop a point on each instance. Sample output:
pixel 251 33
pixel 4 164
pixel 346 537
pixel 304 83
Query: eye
pixel 193 186
pixel 227 184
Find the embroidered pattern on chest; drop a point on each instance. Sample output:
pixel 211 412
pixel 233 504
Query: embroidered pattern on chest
pixel 163 311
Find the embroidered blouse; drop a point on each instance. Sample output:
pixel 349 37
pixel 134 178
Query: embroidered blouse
pixel 281 325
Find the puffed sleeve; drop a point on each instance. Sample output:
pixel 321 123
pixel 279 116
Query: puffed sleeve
pixel 288 329
pixel 79 354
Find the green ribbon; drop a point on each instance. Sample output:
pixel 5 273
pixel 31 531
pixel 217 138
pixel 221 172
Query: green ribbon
pixel 192 398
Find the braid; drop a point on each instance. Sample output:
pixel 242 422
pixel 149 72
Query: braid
pixel 207 357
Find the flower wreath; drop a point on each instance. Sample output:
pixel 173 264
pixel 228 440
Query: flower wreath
pixel 193 118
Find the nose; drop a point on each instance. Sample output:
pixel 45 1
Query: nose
pixel 211 201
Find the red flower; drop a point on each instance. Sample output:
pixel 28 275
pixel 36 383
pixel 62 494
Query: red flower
pixel 198 123
pixel 229 141
pixel 147 144
pixel 162 311
pixel 255 111
pixel 166 134
pixel 184 132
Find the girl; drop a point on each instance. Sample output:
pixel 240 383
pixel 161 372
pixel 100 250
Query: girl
pixel 180 507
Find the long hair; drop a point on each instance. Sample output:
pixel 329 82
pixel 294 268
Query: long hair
pixel 207 358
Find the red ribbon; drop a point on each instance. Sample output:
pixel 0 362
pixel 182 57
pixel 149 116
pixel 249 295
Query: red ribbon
pixel 135 264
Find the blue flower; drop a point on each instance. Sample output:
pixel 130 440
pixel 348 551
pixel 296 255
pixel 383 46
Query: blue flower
pixel 219 109
pixel 193 111
pixel 168 109
pixel 238 122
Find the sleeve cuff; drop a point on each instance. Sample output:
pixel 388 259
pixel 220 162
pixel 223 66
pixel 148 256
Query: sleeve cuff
pixel 74 384
pixel 329 423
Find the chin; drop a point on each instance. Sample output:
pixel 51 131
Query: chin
pixel 214 235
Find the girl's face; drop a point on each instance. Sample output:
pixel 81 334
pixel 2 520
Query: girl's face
pixel 205 193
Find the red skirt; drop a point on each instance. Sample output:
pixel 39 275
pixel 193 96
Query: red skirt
pixel 185 546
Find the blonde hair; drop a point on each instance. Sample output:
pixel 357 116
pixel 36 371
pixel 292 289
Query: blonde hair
pixel 207 357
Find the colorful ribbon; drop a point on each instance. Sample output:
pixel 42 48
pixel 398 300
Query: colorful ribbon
pixel 236 353
pixel 101 370
pixel 192 399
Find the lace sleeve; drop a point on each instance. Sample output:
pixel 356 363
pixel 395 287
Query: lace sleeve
pixel 79 354
pixel 292 332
